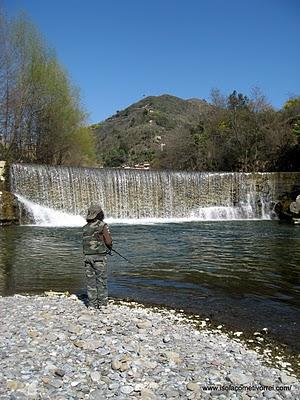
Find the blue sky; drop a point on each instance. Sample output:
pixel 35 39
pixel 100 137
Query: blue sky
pixel 117 51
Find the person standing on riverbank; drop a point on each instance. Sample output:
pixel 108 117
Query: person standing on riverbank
pixel 96 243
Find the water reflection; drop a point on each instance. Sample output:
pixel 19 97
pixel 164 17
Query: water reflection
pixel 243 266
pixel 33 260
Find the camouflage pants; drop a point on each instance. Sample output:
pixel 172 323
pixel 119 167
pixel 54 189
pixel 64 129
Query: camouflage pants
pixel 96 280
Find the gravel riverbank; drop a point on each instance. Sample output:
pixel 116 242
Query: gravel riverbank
pixel 55 348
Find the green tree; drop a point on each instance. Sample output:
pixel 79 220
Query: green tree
pixel 292 102
pixel 41 119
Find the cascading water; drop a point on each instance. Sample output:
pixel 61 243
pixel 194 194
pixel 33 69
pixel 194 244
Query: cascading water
pixel 133 195
pixel 46 216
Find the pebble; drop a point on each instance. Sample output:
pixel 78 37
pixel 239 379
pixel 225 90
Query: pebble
pixel 95 376
pixel 173 356
pixel 14 385
pixel 113 386
pixel 45 380
pixel 138 387
pixel 166 339
pixel 55 348
pixel 287 379
pixel 144 324
pixel 238 334
pixel 59 372
pixel 193 387
pixel 96 395
pixel 116 365
pixel 269 394
pixel 238 378
pixel 55 383
pixel 126 389
pixel 267 382
pixel 147 394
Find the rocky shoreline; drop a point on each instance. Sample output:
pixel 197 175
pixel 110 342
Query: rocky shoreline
pixel 53 347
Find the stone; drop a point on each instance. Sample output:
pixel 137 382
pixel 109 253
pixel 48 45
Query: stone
pixel 113 386
pixel 126 389
pixel 31 389
pixel 59 372
pixel 269 394
pixel 85 389
pixel 45 380
pixel 93 344
pixel 9 208
pixel 153 385
pixel 287 379
pixel 95 376
pixel 238 334
pixel 33 333
pixel 56 383
pixel 238 378
pixel 14 385
pixel 193 387
pixel 73 329
pixel 85 318
pixel 251 393
pixel 267 382
pixel 171 394
pixel 138 387
pixel 124 366
pixel 151 364
pixel 51 337
pixel 166 339
pixel 18 396
pixel 106 380
pixel 79 343
pixel 116 365
pixel 147 394
pixel 3 170
pixel 103 352
pixel 173 357
pixel 144 324
pixel 96 395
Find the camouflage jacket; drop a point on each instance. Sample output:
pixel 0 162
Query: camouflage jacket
pixel 96 238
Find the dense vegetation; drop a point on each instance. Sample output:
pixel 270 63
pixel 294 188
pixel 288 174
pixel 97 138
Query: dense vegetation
pixel 231 133
pixel 41 119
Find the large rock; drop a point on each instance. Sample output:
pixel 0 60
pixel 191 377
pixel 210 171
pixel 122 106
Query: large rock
pixel 288 207
pixel 9 209
pixel 2 175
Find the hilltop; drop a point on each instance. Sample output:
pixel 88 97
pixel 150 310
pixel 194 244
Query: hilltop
pixel 143 132
pixel 234 133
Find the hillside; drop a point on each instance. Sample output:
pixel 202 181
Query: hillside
pixel 144 131
pixel 237 133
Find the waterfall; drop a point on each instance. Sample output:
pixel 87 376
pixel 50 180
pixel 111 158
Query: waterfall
pixel 141 196
pixel 45 216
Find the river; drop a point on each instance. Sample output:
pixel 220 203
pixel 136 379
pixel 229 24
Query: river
pixel 244 274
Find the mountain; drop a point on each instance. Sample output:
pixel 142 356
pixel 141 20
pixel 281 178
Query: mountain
pixel 144 131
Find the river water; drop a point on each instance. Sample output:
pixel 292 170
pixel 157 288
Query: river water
pixel 245 274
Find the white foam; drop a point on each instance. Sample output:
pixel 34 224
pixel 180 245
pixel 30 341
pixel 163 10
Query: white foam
pixel 45 216
pixel 244 213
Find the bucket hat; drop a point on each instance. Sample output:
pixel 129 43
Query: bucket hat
pixel 93 211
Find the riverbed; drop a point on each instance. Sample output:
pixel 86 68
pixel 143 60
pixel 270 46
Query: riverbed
pixel 56 348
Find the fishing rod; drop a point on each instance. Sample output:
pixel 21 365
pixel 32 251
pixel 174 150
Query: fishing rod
pixel 115 251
